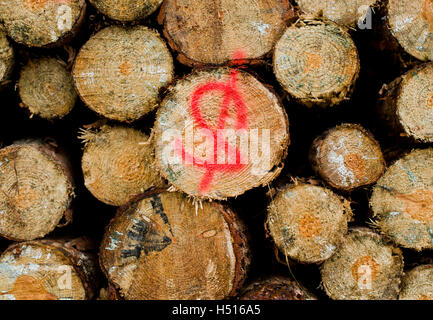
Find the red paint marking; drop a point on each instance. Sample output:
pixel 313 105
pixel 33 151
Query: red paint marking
pixel 230 95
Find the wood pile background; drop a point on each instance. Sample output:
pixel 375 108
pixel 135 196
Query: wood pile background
pixel 90 209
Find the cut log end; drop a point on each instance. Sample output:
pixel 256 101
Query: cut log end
pixel 163 247
pixel 276 288
pixel 347 157
pixel 347 13
pixel 117 164
pixel 402 201
pixel 417 284
pixel 195 149
pixel 47 270
pixel 364 268
pixel 118 73
pixel 35 191
pixel 317 63
pixel 307 223
pixel 46 88
pixel 42 23
pixel 126 11
pixel 203 33
pixel 6 59
pixel 414 103
pixel 411 23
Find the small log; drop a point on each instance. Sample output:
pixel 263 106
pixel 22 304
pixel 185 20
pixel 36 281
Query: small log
pixel 417 284
pixel 411 23
pixel 118 73
pixel 406 105
pixel 46 88
pixel 7 60
pixel 126 11
pixel 36 190
pixel 348 13
pixel 307 222
pixel 276 288
pixel 204 32
pixel 402 201
pixel 195 149
pixel 162 247
pixel 364 268
pixel 347 157
pixel 42 23
pixel 48 270
pixel 317 63
pixel 117 164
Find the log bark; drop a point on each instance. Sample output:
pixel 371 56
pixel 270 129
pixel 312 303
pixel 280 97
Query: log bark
pixel 276 288
pixel 406 104
pixel 317 63
pixel 347 13
pixel 411 23
pixel 48 270
pixel 307 223
pixel 118 73
pixel 347 157
pixel 211 33
pixel 417 284
pixel 196 152
pixel 364 268
pixel 42 23
pixel 46 88
pixel 7 60
pixel 162 247
pixel 126 11
pixel 118 163
pixel 36 190
pixel 402 201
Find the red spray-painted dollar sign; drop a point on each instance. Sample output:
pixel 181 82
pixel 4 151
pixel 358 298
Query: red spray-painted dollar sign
pixel 231 96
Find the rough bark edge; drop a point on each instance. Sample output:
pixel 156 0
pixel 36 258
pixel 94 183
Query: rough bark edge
pixel 238 236
pixel 387 106
pixel 51 150
pixel 317 144
pixel 276 169
pixel 288 18
pixel 88 274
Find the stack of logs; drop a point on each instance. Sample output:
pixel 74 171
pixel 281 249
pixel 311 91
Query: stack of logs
pixel 222 83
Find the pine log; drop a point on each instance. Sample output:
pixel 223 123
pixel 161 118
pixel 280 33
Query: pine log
pixel 46 88
pixel 402 201
pixel 411 23
pixel 417 284
pixel 276 288
pixel 117 164
pixel 196 155
pixel 36 190
pixel 364 268
pixel 118 73
pixel 406 104
pixel 211 32
pixel 317 63
pixel 42 23
pixel 48 270
pixel 162 247
pixel 307 222
pixel 6 59
pixel 347 13
pixel 125 11
pixel 347 157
